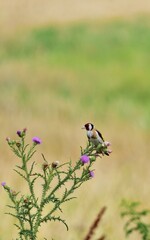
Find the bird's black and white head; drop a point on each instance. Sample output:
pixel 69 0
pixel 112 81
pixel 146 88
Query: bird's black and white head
pixel 88 126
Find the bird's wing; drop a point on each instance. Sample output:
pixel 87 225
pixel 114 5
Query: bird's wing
pixel 100 135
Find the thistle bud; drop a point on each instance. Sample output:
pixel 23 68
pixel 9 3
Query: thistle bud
pixel 99 147
pixel 92 158
pixel 19 133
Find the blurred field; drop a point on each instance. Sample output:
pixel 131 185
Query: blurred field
pixel 16 14
pixel 56 77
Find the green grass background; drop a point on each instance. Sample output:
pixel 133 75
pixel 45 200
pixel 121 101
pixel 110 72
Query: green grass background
pixel 54 79
pixel 108 63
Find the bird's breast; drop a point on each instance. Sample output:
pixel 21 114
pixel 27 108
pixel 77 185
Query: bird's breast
pixel 89 134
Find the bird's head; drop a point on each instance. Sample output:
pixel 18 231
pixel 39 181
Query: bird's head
pixel 88 126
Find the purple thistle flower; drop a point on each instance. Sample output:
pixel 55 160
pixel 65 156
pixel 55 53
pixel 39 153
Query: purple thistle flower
pixel 91 174
pixel 3 184
pixel 36 140
pixel 84 159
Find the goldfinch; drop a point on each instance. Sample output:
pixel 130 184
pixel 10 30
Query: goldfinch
pixel 95 136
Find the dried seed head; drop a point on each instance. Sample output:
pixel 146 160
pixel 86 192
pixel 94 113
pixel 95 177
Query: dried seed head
pixel 26 200
pixel 13 193
pixel 45 166
pixel 18 144
pixel 55 164
pixel 25 130
pixel 8 139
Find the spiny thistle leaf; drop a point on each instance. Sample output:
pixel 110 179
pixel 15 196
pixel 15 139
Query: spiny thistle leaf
pixel 31 169
pixel 16 152
pixel 26 233
pixel 61 165
pixel 13 215
pixel 11 206
pixel 20 174
pixel 19 167
pixel 58 176
pixel 50 218
pixel 68 199
pixel 65 193
pixel 38 175
pixel 33 181
pixel 29 156
pixel 46 201
pixel 55 199
pixel 17 226
pixel 25 147
pixel 135 222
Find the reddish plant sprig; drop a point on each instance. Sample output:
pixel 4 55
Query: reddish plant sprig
pixel 95 225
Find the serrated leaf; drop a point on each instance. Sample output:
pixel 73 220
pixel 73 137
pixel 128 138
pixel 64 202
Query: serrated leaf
pixel 20 174
pixel 58 176
pixel 53 218
pixel 17 226
pixel 31 169
pixel 11 206
pixel 68 199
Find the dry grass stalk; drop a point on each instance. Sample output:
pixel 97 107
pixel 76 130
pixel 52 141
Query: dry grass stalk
pixel 95 225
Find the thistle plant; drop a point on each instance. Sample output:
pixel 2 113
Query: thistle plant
pixel 137 220
pixel 29 209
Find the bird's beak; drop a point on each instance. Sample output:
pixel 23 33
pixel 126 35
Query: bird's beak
pixel 83 127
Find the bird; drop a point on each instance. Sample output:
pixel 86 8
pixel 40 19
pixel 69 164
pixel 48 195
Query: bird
pixel 93 134
pixel 96 138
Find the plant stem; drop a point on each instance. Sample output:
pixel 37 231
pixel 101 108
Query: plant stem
pixel 28 180
pixel 58 186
